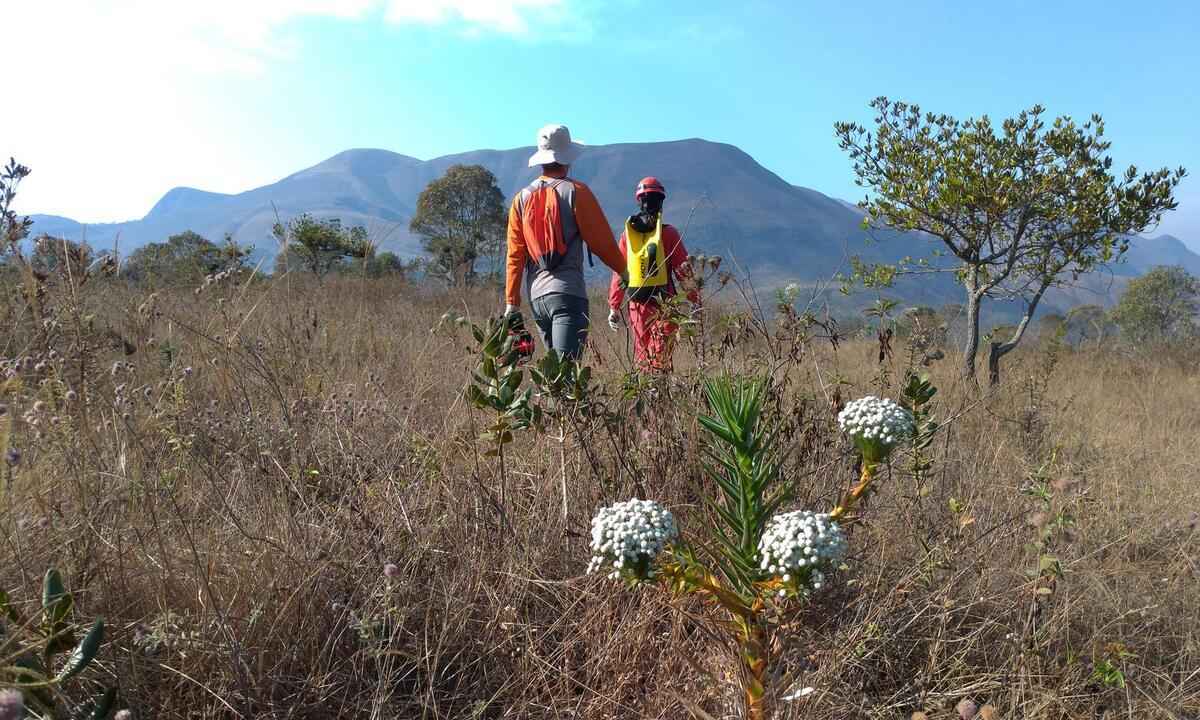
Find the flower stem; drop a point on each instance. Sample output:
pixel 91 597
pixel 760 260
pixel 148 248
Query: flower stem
pixel 754 660
pixel 856 493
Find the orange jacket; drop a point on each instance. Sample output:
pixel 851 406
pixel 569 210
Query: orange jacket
pixel 593 229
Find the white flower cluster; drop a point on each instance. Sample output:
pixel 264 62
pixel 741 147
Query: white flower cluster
pixel 627 537
pixel 876 422
pixel 797 546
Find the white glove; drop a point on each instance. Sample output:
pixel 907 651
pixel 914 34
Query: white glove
pixel 614 320
pixel 510 309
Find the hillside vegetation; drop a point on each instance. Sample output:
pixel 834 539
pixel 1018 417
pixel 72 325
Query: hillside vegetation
pixel 275 493
pixel 722 199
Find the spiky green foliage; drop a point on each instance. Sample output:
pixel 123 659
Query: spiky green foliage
pixel 741 459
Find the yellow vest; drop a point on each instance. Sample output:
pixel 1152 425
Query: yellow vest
pixel 645 261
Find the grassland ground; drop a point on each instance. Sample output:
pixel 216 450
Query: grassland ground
pixel 225 474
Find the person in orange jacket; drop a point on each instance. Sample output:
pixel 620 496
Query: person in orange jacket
pixel 653 331
pixel 552 223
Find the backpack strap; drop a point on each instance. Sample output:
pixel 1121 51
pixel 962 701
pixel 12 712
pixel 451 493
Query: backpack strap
pixel 591 259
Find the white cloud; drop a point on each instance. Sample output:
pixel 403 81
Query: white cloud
pixel 122 99
pixel 507 16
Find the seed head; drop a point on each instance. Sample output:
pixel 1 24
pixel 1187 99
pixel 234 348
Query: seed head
pixel 12 705
pixel 967 709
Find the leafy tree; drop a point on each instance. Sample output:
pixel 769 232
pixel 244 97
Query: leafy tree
pixel 183 257
pixel 461 217
pixel 1020 208
pixel 1086 323
pixel 386 264
pixel 319 245
pixel 1159 307
pixel 1050 325
pixel 59 256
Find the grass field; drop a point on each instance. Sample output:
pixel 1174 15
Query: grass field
pixel 234 468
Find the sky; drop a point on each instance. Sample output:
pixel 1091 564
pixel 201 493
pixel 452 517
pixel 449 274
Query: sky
pixel 114 102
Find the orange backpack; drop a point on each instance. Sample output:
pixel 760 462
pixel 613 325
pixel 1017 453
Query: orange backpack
pixel 541 224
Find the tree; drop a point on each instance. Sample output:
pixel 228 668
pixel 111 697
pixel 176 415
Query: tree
pixel 461 217
pixel 386 264
pixel 59 256
pixel 1020 210
pixel 1085 323
pixel 186 256
pixel 1159 307
pixel 320 246
pixel 1050 326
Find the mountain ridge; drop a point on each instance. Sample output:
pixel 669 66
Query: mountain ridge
pixel 727 201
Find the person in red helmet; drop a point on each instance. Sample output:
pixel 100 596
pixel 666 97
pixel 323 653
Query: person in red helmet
pixel 655 261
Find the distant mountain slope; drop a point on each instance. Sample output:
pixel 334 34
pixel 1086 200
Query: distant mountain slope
pixel 726 202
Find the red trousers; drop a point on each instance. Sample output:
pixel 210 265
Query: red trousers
pixel 653 337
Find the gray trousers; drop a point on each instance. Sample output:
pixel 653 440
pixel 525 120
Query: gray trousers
pixel 563 322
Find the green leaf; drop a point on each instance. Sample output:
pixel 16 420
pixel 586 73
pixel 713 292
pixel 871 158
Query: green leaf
pixel 52 588
pixel 1048 563
pixel 476 397
pixel 7 610
pixel 105 705
pixel 84 653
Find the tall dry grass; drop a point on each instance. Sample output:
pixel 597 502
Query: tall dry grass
pixel 235 468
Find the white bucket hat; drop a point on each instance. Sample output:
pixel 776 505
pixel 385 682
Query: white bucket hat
pixel 554 145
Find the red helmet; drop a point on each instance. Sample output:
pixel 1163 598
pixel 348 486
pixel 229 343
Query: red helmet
pixel 649 185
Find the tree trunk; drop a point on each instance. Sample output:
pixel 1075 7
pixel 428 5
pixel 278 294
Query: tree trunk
pixel 972 344
pixel 999 350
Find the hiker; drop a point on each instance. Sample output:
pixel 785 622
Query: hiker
pixel 655 259
pixel 551 223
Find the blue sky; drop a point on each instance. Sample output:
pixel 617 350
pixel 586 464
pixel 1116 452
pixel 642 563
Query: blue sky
pixel 138 96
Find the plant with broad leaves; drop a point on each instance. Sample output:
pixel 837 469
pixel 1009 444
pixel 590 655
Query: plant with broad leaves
pixel 497 380
pixel 1107 668
pixel 561 378
pixel 39 654
pixel 1052 521
pixel 916 397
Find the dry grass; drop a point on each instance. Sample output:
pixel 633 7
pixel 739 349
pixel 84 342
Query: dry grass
pixel 229 501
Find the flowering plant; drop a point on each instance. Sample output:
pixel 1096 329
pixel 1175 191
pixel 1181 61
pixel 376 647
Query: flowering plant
pixel 754 556
pixel 799 548
pixel 875 425
pixel 628 536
